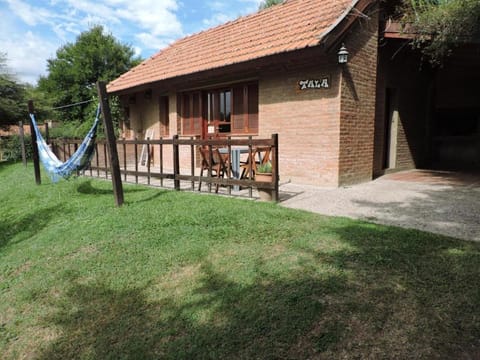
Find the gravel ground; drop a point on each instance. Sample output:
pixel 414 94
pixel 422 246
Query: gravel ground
pixel 442 208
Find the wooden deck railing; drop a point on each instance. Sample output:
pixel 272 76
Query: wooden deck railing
pixel 175 163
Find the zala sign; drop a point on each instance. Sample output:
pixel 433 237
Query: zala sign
pixel 310 84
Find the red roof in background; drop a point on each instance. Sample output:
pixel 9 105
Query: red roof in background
pixel 293 25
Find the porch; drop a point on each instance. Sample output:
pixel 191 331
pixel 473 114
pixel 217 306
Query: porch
pixel 224 166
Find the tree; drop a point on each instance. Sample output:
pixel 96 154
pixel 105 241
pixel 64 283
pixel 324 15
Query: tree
pixel 441 25
pixel 72 75
pixel 267 3
pixel 12 96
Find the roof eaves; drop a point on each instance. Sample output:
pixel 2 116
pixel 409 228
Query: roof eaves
pixel 339 20
pixel 320 38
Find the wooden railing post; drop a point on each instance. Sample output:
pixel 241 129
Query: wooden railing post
pixel 161 159
pixel 136 160
pixel 36 159
pixel 112 146
pixel 124 148
pixel 21 133
pixel 192 163
pixel 176 163
pixel 148 160
pixel 250 158
pixel 275 167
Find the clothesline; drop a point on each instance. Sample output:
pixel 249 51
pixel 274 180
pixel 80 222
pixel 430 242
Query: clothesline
pixel 71 105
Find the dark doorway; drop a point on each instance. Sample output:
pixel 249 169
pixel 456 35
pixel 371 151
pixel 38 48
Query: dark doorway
pixel 391 129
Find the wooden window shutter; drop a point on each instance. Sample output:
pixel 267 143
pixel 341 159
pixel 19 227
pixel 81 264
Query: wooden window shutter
pixel 179 114
pixel 164 116
pixel 191 113
pixel 252 108
pixel 196 114
pixel 185 113
pixel 238 123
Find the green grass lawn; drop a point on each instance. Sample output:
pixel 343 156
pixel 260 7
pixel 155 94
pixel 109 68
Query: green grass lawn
pixel 188 276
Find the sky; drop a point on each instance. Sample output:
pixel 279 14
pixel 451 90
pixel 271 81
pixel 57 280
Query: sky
pixel 31 31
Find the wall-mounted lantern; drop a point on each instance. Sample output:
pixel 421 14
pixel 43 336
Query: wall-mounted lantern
pixel 343 55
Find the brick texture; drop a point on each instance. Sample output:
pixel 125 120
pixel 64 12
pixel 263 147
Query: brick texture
pixel 357 117
pixel 306 121
pixel 326 136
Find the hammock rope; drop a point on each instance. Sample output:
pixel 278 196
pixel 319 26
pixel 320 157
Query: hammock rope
pixel 79 160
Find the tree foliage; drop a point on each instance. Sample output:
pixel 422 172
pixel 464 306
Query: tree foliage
pixel 73 73
pixel 441 25
pixel 267 3
pixel 12 96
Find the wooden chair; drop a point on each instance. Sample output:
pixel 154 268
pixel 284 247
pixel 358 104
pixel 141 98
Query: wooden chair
pixel 263 154
pixel 215 164
pixel 249 167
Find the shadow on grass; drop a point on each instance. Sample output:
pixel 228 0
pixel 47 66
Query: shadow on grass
pixel 221 319
pixel 86 188
pixel 390 293
pixel 23 228
pixel 416 294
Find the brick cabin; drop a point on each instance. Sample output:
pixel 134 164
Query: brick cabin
pixel 277 71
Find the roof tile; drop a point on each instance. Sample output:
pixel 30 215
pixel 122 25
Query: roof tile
pixel 292 25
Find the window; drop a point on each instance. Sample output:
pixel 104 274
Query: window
pixel 229 111
pixel 220 110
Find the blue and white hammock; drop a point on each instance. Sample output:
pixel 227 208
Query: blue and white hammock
pixel 78 161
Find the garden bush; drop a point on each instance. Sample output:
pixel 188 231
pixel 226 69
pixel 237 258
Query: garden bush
pixel 12 149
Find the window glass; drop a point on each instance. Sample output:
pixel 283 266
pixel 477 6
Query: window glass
pixel 228 111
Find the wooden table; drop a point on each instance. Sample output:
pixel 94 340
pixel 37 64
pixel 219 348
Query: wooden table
pixel 235 153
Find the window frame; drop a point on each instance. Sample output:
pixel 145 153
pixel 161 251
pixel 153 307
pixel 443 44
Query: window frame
pixel 195 117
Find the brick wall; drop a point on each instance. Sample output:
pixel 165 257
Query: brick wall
pixel 15 129
pixel 325 135
pixel 306 121
pixel 357 117
pixel 380 131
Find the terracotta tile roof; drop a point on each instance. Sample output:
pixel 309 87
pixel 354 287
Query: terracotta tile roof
pixel 293 25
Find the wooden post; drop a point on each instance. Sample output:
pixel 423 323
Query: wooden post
pixel 176 162
pixel 47 133
pixel 136 160
pixel 275 167
pixel 251 159
pixel 36 160
pixel 124 160
pixel 192 163
pixel 112 146
pixel 21 133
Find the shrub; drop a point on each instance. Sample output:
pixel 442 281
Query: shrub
pixel 12 149
pixel 70 130
pixel 265 168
